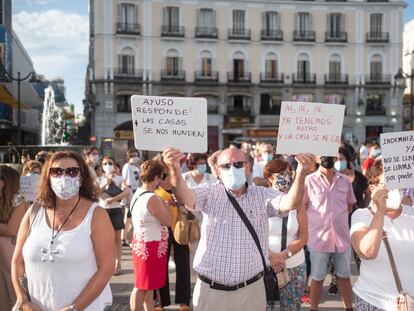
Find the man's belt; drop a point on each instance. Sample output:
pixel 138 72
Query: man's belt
pixel 228 288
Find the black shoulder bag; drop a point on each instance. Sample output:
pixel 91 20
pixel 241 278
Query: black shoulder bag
pixel 269 278
pixel 135 201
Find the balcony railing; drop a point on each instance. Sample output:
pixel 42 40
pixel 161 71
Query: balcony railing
pixel 172 31
pixel 206 32
pixel 206 76
pixel 377 79
pixel 377 111
pixel 239 77
pixel 336 36
pixel 271 77
pixel 128 28
pixel 309 78
pixel 172 75
pixel 377 37
pixel 272 35
pixel 308 36
pixel 336 79
pixel 239 34
pixel 128 73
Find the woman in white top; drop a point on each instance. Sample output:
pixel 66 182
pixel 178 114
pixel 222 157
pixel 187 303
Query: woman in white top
pixel 66 252
pixel 278 175
pixel 12 209
pixel 112 203
pixel 150 219
pixel 376 289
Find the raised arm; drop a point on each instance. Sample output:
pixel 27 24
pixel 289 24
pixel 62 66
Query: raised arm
pixel 291 200
pixel 366 241
pixel 184 194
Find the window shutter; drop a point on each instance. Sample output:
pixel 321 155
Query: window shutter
pixel 309 22
pixel 297 21
pixel 278 20
pixel 342 21
pixel 213 13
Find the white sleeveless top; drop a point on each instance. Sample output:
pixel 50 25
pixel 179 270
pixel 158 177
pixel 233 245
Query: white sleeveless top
pixel 147 228
pixel 54 285
pixel 275 238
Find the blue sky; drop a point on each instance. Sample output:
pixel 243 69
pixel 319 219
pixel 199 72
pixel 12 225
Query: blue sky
pixel 56 35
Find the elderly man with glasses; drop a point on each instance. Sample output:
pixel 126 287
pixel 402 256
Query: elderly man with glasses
pixel 227 261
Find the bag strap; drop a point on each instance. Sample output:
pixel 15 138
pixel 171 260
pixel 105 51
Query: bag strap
pixel 135 201
pixel 284 233
pixel 393 266
pixel 248 225
pixel 33 214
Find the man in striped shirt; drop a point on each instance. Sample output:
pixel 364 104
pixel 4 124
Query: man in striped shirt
pixel 227 260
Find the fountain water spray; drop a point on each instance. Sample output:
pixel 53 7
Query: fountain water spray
pixel 52 120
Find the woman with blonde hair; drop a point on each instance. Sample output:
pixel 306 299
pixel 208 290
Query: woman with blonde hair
pixel 65 251
pixel 12 209
pixel 151 218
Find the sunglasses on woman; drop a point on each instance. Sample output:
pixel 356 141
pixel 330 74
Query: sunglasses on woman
pixel 108 163
pixel 69 171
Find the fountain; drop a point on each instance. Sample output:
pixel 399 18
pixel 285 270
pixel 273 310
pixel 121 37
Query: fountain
pixel 52 120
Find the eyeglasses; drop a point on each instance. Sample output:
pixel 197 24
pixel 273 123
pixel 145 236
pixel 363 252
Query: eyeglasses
pixel 237 164
pixel 69 171
pixel 108 163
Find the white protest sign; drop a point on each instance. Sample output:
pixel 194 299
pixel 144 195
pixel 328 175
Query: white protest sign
pixel 161 122
pixel 310 127
pixel 28 187
pixel 398 159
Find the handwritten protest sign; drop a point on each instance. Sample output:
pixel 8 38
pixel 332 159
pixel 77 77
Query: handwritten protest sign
pixel 310 127
pixel 28 187
pixel 161 122
pixel 398 159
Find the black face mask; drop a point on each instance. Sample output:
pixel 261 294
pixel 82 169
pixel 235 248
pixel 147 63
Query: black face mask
pixel 327 162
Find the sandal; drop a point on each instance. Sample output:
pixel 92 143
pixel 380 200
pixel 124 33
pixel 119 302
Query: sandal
pixel 184 308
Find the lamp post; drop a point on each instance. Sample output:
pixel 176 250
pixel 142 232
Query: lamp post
pixel 7 77
pixel 400 81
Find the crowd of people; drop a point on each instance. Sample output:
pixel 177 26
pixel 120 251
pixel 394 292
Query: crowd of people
pixel 310 215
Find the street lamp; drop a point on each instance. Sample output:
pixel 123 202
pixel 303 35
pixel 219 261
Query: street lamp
pixel 400 82
pixel 7 77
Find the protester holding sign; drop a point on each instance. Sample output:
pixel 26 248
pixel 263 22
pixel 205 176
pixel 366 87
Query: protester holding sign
pixel 12 209
pixel 376 288
pixel 228 261
pixel 112 191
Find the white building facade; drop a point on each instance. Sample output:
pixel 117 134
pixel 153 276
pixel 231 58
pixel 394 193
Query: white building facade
pixel 246 57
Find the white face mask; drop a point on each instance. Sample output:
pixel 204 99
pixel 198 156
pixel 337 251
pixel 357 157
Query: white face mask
pixel 134 160
pixel 95 159
pixel 65 187
pixel 108 169
pixel 394 198
pixel 233 178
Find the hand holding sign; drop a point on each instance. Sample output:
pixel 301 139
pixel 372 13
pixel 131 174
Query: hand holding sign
pixel 310 127
pixel 160 122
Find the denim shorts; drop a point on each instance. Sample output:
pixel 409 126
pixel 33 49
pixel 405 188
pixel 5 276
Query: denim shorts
pixel 320 261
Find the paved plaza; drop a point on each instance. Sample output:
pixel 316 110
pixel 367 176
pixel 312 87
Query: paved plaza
pixel 122 286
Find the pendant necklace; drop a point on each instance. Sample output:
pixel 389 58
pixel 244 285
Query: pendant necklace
pixel 48 252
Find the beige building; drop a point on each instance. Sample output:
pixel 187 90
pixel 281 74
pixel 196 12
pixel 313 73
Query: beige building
pixel 408 71
pixel 246 57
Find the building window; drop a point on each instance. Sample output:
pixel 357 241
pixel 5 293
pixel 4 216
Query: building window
pixel 376 68
pixel 172 17
pixel 127 13
pixel 303 66
pixel 335 67
pixel 238 105
pixel 126 61
pixel 173 63
pixel 375 25
pixel 303 23
pixel 375 104
pixel 122 103
pixel 206 18
pixel 271 21
pixel 270 104
pixel 271 65
pixel 336 24
pixel 1 13
pixel 303 98
pixel 206 64
pixel 336 99
pixel 239 21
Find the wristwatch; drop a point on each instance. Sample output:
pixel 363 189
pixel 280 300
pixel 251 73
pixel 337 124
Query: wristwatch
pixel 289 253
pixel 72 308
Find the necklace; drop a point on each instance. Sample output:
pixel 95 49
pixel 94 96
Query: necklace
pixel 48 253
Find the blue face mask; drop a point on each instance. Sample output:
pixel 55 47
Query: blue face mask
pixel 233 178
pixel 267 156
pixel 201 169
pixel 376 153
pixel 340 166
